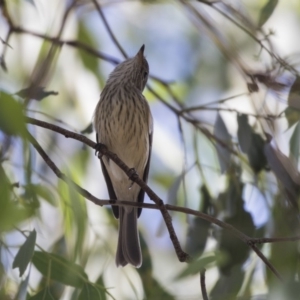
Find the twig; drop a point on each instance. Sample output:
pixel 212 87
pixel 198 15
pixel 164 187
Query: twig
pixel 183 257
pixel 98 7
pixel 196 108
pixel 71 43
pixel 203 285
pixel 275 240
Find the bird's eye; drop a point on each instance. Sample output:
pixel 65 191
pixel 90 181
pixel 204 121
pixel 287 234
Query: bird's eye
pixel 145 75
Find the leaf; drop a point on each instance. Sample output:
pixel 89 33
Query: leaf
pixel 90 292
pixel 58 268
pixel 222 135
pixel 89 129
pixel 285 171
pixel 12 120
pixel 198 265
pixel 227 287
pixel 256 156
pixel 252 144
pixel 101 287
pixel 292 115
pixel 42 191
pixel 35 92
pixel 199 228
pixel 25 253
pixel 244 132
pixel 294 95
pixel 266 12
pixel 235 251
pixel 152 288
pixel 295 144
pixel 11 212
pixel 89 60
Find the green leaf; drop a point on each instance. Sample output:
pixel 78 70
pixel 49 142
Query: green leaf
pixel 294 95
pixel 256 156
pixel 196 266
pixel 292 115
pixel 223 136
pixel 58 268
pixel 90 61
pixel 35 92
pixel 25 253
pixel 12 120
pixel 295 144
pixel 252 144
pixel 244 132
pixel 11 212
pixel 227 287
pixel 89 129
pixel 41 190
pixel 90 292
pixel 101 287
pixel 266 12
pixel 44 294
pixel 199 228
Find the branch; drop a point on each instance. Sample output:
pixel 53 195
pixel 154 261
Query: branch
pixel 98 7
pixel 203 285
pixel 71 43
pixel 183 257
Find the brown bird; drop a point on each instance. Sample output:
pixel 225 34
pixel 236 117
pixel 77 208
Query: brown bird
pixel 123 123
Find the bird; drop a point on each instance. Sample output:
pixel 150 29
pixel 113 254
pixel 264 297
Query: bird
pixel 123 123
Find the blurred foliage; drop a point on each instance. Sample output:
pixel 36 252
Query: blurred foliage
pixel 226 108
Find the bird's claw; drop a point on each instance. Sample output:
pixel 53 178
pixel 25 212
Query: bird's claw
pixel 132 176
pixel 98 148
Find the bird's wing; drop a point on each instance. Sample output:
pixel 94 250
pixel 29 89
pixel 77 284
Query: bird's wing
pixel 146 171
pixel 111 192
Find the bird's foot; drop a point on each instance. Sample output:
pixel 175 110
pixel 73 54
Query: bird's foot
pixel 98 148
pixel 132 176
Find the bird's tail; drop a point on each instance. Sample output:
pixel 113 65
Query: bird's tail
pixel 129 249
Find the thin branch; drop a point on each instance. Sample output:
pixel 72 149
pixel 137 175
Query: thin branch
pixel 183 257
pixel 203 285
pixel 197 108
pixel 275 240
pixel 111 34
pixel 71 43
pixel 59 174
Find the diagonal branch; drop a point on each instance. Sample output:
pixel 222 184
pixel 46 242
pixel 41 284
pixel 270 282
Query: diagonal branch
pixel 107 27
pixel 182 256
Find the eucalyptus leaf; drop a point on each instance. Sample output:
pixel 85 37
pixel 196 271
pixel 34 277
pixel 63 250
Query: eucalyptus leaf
pixel 25 253
pixel 198 265
pixel 295 144
pixel 59 269
pixel 221 133
pixel 292 115
pixel 244 132
pixel 266 12
pixel 294 94
pixel 12 120
pixel 90 292
pixel 35 92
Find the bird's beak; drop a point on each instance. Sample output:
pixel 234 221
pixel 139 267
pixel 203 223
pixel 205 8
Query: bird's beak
pixel 140 54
